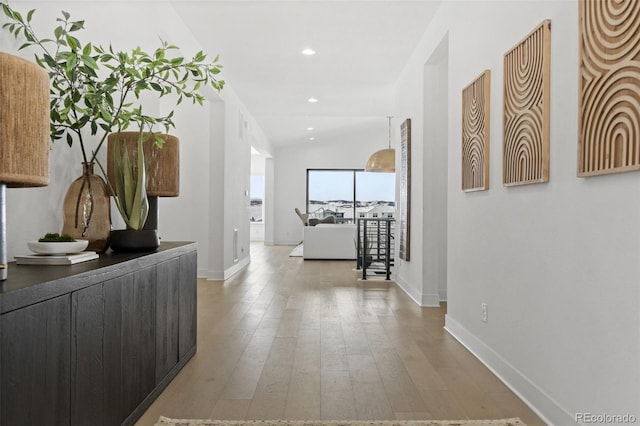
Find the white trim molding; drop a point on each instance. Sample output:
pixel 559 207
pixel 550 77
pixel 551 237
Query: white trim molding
pixel 229 272
pixel 541 403
pixel 423 300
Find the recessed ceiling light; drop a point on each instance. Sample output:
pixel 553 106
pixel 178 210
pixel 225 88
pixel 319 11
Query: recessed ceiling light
pixel 312 100
pixel 309 128
pixel 308 51
pixel 312 138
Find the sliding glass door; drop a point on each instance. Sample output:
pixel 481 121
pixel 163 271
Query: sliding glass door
pixel 349 194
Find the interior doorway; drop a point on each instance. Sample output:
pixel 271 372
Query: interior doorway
pixel 256 197
pixel 435 160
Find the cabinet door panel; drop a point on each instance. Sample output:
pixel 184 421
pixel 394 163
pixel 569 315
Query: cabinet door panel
pixel 188 302
pixel 35 363
pixel 96 362
pixel 168 274
pixel 138 337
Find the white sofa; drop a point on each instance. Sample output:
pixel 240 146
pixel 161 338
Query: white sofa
pixel 330 241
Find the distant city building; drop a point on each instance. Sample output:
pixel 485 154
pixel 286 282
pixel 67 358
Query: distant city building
pixel 344 211
pixel 255 210
pixel 381 211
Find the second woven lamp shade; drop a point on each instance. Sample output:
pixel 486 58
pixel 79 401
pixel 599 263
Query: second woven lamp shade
pixel 163 164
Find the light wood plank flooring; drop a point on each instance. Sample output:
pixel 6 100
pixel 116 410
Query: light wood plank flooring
pixel 294 339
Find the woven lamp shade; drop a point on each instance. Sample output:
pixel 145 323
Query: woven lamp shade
pixel 163 164
pixel 383 161
pixel 24 123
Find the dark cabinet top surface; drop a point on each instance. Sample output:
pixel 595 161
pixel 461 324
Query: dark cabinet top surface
pixel 29 284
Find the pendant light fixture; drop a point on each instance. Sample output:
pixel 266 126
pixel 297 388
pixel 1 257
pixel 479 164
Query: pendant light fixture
pixel 383 161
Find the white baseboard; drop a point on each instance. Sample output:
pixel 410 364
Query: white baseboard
pixel 423 300
pixel 543 405
pixel 229 272
pixel 237 267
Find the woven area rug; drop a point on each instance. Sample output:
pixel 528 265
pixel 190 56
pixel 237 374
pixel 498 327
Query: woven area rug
pixel 164 421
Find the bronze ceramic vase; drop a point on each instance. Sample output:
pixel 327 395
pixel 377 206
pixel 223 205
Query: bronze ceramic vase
pixel 87 213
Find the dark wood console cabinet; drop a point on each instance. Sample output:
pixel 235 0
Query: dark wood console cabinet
pixel 95 343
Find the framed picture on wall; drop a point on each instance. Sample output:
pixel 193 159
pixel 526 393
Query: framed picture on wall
pixel 405 190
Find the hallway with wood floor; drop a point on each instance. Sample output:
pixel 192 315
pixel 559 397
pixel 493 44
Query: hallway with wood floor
pixel 292 339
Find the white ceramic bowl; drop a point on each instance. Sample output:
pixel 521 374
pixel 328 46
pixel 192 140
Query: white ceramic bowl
pixel 57 247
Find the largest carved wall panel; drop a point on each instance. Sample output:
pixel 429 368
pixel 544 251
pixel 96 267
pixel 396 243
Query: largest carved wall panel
pixel 609 132
pixel 526 109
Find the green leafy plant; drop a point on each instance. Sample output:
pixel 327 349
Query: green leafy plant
pixel 96 90
pixel 92 87
pixel 130 183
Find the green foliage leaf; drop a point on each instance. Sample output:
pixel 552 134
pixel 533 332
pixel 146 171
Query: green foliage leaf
pixel 75 26
pixel 8 12
pixel 72 42
pixel 90 62
pixel 86 51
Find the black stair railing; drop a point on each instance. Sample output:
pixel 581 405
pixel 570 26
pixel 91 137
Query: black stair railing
pixel 375 243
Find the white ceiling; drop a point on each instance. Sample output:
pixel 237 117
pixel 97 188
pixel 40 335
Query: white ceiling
pixel 362 47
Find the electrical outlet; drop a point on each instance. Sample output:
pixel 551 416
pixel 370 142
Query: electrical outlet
pixel 484 312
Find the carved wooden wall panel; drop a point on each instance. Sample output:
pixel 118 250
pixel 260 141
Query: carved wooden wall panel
pixel 526 109
pixel 609 123
pixel 475 133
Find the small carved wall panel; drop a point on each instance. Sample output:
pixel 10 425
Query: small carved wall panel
pixel 475 133
pixel 526 109
pixel 609 122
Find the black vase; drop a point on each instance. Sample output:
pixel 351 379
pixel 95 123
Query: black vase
pixel 130 240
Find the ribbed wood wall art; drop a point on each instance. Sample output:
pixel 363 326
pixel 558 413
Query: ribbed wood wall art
pixel 526 109
pixel 609 122
pixel 475 133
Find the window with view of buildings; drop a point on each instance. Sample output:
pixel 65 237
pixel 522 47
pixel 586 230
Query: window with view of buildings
pixel 349 194
pixel 256 196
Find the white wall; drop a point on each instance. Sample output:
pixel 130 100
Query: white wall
pixel 186 217
pixel 557 263
pixel 237 157
pixel 422 96
pixel 215 155
pixel 290 163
